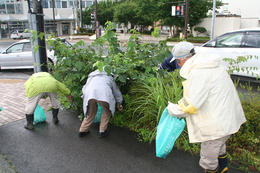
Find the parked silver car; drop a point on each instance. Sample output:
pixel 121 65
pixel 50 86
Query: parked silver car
pixel 19 55
pixel 20 34
pixel 236 43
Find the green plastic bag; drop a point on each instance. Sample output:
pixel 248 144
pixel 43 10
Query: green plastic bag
pixel 98 116
pixel 39 115
pixel 168 130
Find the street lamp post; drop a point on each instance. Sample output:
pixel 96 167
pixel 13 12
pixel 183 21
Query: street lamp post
pixel 186 19
pixel 54 18
pixel 213 20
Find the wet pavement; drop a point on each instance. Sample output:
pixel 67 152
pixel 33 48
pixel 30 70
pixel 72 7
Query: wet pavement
pixel 53 148
pixel 57 148
pixel 13 100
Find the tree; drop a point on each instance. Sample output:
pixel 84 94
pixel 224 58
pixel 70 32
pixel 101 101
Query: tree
pixel 126 13
pixel 105 12
pixel 86 16
pixel 197 11
pixel 146 11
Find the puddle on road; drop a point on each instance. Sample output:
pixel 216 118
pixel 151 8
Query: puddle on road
pixel 11 81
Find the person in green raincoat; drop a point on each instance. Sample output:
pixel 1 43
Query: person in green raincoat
pixel 38 85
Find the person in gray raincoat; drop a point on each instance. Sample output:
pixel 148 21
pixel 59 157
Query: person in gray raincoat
pixel 99 88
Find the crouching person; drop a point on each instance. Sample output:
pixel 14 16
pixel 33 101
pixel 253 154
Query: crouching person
pixel 38 85
pixel 100 88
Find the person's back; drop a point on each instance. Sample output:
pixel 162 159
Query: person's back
pixel 38 85
pixel 168 65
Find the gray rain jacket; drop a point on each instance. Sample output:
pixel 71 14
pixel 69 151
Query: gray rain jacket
pixel 101 87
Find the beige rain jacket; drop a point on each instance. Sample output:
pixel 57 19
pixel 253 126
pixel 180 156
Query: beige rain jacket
pixel 210 104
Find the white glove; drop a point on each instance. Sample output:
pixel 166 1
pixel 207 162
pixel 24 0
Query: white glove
pixel 175 110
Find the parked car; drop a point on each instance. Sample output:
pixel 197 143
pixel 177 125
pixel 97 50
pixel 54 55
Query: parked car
pixel 236 43
pixel 20 34
pixel 19 55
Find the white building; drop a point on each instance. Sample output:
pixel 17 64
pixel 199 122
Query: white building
pixel 233 15
pixel 13 15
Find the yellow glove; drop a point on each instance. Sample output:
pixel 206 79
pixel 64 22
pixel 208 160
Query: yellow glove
pixel 186 106
pixel 175 110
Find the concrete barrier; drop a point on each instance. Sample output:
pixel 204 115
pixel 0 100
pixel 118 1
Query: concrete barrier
pixel 78 37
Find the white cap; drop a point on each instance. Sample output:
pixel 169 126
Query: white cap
pixel 182 50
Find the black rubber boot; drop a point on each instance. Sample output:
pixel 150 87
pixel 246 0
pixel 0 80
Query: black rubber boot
pixel 55 119
pixel 212 171
pixel 223 163
pixel 29 119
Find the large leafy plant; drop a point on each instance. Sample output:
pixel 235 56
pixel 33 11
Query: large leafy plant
pixel 138 63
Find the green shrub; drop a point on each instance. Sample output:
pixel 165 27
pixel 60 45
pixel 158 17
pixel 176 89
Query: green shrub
pixel 200 30
pixel 82 30
pixel 90 34
pixel 147 32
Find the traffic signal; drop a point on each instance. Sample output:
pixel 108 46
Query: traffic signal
pixel 92 15
pixel 178 11
pixel 182 10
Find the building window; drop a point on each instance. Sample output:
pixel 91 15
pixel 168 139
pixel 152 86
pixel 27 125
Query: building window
pixel 64 4
pixel 88 3
pixel 45 4
pixel 2 7
pixel 51 4
pixel 18 8
pixel 10 8
pixel 83 4
pixel 70 4
pixel 58 4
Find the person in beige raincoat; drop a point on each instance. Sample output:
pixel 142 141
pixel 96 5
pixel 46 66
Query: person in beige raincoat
pixel 210 104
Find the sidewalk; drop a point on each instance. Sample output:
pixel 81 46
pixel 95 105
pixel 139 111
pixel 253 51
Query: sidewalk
pixel 53 148
pixel 13 100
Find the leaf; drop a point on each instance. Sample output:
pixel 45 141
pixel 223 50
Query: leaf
pixel 108 69
pixel 117 57
pixel 82 78
pixel 108 60
pixel 123 78
pixel 35 48
pixel 100 66
pixel 41 35
pixel 131 46
pixel 66 104
pixel 79 65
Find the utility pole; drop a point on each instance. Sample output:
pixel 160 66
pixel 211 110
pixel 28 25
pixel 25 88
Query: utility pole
pixel 37 24
pixel 41 42
pixel 76 15
pixel 53 13
pixel 186 19
pixel 213 20
pixel 81 18
pixel 98 30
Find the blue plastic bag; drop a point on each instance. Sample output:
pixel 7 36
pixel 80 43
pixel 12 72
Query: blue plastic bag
pixel 168 130
pixel 39 115
pixel 98 116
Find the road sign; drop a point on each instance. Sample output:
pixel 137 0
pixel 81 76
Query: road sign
pixel 173 10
